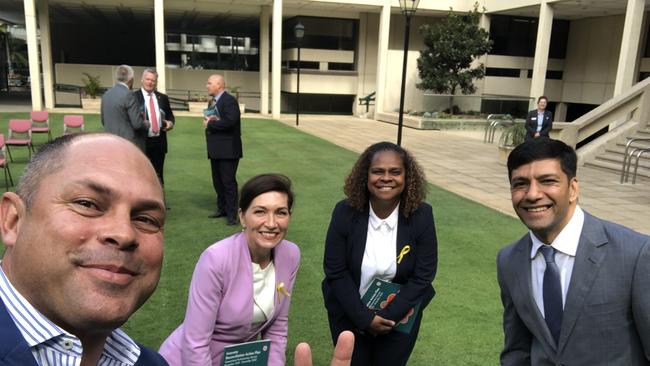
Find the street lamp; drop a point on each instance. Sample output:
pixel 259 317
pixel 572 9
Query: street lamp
pixel 299 31
pixel 408 8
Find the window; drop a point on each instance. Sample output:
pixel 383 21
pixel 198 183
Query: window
pixel 517 36
pixel 509 73
pixel 550 74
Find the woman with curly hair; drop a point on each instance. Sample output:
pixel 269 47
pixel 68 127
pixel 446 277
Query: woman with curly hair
pixel 383 230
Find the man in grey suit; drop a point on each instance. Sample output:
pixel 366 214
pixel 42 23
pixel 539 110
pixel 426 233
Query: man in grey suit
pixel 575 289
pixel 121 112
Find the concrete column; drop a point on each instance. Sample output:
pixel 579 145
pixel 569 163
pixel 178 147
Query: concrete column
pixel 159 35
pixel 46 53
pixel 484 22
pixel 627 60
pixel 560 112
pixel 264 60
pixel 277 58
pixel 545 24
pixel 32 54
pixel 382 56
pixel 361 61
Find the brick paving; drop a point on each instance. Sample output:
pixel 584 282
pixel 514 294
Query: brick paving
pixel 460 162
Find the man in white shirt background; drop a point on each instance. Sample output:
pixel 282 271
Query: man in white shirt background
pixel 575 288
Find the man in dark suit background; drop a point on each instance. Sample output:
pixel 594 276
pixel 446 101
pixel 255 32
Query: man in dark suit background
pixel 161 121
pixel 539 121
pixel 223 138
pixel 120 111
pixel 575 289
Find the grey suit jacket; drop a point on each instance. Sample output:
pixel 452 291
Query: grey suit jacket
pixel 121 115
pixel 606 317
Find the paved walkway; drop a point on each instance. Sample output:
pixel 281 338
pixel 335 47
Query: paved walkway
pixel 461 163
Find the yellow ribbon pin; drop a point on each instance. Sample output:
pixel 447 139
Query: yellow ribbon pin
pixel 282 291
pixel 402 253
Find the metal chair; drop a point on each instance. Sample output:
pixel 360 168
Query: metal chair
pixel 72 124
pixel 4 164
pixel 20 134
pixel 41 123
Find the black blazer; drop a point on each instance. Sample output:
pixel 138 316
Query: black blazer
pixel 531 124
pixel 223 137
pixel 163 104
pixel 344 248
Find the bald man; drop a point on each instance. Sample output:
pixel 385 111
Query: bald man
pixel 223 138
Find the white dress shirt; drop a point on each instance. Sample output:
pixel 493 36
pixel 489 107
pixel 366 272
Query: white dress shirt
pixel 540 120
pixel 50 344
pixel 263 292
pixel 566 246
pixel 146 96
pixel 379 258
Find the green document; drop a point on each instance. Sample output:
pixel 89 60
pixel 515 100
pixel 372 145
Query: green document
pixel 211 112
pixel 380 294
pixel 254 353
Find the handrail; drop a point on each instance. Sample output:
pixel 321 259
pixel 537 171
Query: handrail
pixel 366 100
pixel 492 122
pixel 627 158
pixel 636 165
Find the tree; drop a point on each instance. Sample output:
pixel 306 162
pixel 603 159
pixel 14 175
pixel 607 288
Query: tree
pixel 445 65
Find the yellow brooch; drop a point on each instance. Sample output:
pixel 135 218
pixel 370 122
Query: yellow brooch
pixel 405 250
pixel 282 291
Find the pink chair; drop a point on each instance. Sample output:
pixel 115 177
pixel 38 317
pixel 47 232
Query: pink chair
pixel 41 123
pixel 72 124
pixel 20 134
pixel 4 164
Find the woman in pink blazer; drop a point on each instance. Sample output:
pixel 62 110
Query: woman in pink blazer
pixel 227 303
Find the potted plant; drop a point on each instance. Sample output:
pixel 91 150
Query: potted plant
pixel 197 103
pixel 512 136
pixel 91 89
pixel 235 90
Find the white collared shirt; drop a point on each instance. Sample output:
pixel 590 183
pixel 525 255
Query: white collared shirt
pixel 379 258
pixel 566 246
pixel 146 96
pixel 263 292
pixel 50 344
pixel 540 120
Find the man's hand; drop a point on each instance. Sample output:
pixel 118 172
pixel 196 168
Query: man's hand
pixel 208 119
pixel 380 326
pixel 342 352
pixel 168 125
pixel 536 135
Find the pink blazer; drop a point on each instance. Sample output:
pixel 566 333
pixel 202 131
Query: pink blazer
pixel 220 305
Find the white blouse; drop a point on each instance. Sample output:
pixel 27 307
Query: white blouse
pixel 263 292
pixel 379 257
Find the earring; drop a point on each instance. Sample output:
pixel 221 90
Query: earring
pixel 243 228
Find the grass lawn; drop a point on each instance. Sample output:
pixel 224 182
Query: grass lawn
pixel 462 325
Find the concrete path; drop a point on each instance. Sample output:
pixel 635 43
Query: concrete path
pixel 461 163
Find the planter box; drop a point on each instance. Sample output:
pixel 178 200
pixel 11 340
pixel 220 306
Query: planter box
pixel 197 106
pixel 91 104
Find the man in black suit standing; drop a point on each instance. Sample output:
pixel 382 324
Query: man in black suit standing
pixel 223 138
pixel 539 121
pixel 160 120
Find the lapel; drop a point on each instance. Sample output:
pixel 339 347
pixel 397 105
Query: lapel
pixel 589 257
pixel 13 348
pixel 357 241
pixel 403 239
pixel 521 263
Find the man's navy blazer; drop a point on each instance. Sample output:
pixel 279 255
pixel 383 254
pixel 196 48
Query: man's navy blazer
pixel 223 137
pixel 344 249
pixel 531 124
pixel 14 350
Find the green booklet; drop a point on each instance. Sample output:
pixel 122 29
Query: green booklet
pixel 211 112
pixel 254 353
pixel 380 294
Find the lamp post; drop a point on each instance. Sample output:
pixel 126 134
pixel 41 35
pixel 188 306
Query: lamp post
pixel 299 31
pixel 408 8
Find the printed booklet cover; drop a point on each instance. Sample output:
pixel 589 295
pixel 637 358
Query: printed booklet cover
pixel 380 294
pixel 254 353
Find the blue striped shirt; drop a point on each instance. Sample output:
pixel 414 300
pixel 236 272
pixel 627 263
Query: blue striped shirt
pixel 53 346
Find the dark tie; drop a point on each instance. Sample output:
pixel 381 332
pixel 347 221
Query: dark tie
pixel 552 292
pixel 152 115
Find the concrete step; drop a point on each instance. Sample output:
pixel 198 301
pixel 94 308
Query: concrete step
pixel 618 159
